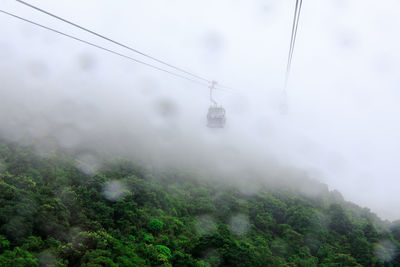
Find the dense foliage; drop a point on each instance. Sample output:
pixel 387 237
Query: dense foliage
pixel 53 212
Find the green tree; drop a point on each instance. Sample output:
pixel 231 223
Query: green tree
pixel 17 258
pixel 339 221
pixel 155 225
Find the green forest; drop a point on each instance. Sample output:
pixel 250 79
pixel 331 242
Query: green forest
pixel 124 214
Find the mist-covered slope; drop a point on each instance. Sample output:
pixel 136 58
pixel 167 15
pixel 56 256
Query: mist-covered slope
pixel 55 211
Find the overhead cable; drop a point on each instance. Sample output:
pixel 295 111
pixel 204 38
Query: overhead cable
pixel 115 42
pixel 104 49
pixel 295 25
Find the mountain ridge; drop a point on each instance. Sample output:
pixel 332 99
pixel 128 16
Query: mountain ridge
pixel 59 211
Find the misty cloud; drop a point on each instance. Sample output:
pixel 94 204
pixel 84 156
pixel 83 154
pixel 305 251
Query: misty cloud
pixel 343 93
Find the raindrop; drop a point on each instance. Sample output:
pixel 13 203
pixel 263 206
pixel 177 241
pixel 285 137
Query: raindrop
pixel 385 251
pixel 37 68
pixel 115 190
pixel 86 62
pixel 213 42
pixel 205 225
pixel 239 224
pixel 166 108
pixel 68 137
pixel 212 257
pixel 47 259
pixel 87 164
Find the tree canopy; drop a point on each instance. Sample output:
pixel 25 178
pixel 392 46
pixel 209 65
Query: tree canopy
pixel 54 214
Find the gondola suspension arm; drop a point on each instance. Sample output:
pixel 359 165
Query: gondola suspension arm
pixel 212 87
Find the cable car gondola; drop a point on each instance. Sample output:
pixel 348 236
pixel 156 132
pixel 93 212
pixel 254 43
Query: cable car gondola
pixel 216 114
pixel 216 117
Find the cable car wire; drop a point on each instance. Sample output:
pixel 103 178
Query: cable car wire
pixel 120 44
pixel 300 3
pixel 104 49
pixel 296 18
pixel 295 25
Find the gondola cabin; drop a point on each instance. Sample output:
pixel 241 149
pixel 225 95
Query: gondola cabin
pixel 216 117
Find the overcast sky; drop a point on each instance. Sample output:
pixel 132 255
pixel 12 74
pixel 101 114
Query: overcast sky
pixel 342 125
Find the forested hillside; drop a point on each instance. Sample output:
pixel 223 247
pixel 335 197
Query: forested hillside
pixel 54 213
